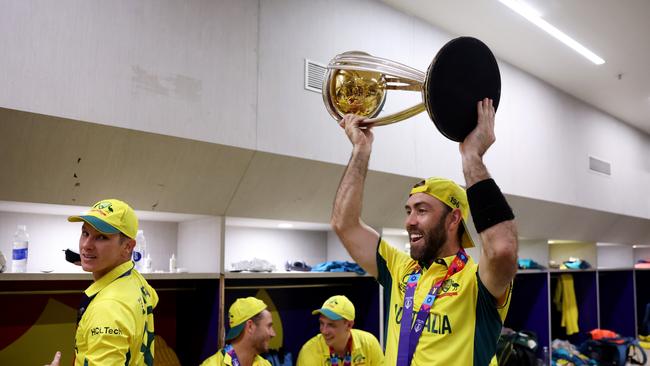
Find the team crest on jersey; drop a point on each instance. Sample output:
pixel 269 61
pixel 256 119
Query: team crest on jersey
pixel 403 282
pixel 359 360
pixel 449 288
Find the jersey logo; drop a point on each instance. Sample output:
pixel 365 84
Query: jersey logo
pixel 403 282
pixel 449 288
pixel 359 360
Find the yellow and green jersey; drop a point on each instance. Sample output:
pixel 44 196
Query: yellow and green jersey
pixel 117 326
pixel 365 351
pixel 464 323
pixel 223 358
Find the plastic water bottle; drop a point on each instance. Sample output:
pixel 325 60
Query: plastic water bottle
pixel 147 264
pixel 546 357
pixel 20 250
pixel 172 263
pixel 140 251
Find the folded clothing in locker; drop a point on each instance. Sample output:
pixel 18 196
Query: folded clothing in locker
pixel 527 263
pixel 300 266
pixel 642 263
pixel 338 266
pixel 575 263
pixel 254 265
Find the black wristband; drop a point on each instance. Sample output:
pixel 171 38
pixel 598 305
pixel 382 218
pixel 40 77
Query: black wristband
pixel 488 205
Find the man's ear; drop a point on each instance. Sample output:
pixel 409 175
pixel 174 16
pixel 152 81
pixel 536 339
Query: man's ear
pixel 350 324
pixel 455 217
pixel 250 324
pixel 128 247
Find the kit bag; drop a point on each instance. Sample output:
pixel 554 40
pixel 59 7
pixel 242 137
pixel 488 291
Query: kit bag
pixel 517 349
pixel 614 351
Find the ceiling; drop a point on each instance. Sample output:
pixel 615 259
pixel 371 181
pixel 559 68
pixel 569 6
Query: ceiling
pixel 617 31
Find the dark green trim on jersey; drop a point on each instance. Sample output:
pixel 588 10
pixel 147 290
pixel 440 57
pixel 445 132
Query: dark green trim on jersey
pixel 487 327
pixel 384 278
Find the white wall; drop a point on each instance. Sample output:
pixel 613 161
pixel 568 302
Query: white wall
pixel 199 245
pixel 51 234
pixel 182 68
pixel 641 253
pixel 276 246
pixel 615 255
pixel 231 72
pixel 161 242
pixel 398 241
pixel 536 250
pixel 335 249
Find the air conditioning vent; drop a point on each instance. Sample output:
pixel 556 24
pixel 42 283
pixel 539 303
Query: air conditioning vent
pixel 314 75
pixel 600 166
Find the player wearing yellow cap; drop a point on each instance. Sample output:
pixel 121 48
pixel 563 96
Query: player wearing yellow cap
pixel 338 343
pixel 442 308
pixel 251 329
pixel 115 321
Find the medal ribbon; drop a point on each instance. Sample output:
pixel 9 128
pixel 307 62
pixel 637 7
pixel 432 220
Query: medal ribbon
pixel 409 336
pixel 347 360
pixel 233 356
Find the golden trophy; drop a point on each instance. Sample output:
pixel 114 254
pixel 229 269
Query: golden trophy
pixel 461 74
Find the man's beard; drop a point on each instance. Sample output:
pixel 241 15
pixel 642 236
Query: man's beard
pixel 261 346
pixel 435 239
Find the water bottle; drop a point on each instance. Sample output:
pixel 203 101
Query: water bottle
pixel 20 250
pixel 147 263
pixel 140 251
pixel 546 357
pixel 172 263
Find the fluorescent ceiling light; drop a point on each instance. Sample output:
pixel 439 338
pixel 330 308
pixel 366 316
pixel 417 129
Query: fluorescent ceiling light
pixel 535 17
pixel 285 225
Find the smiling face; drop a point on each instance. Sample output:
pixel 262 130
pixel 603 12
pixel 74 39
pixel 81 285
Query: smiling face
pixel 100 253
pixel 427 226
pixel 335 332
pixel 261 331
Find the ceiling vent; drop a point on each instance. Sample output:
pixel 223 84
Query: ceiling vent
pixel 314 75
pixel 600 166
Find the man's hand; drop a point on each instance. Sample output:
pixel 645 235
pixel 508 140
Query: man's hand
pixel 482 137
pixel 477 143
pixel 56 359
pixel 360 134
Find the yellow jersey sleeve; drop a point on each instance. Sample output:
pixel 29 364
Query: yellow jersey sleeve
pixel 310 354
pixel 375 353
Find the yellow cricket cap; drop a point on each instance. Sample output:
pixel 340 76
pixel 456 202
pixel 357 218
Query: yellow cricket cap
pixel 110 216
pixel 451 194
pixel 240 311
pixel 337 307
